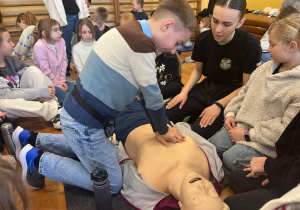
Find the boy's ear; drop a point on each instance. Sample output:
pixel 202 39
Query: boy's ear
pixel 242 21
pixel 293 46
pixel 168 23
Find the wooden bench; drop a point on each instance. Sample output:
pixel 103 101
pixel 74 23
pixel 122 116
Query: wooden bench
pixel 257 24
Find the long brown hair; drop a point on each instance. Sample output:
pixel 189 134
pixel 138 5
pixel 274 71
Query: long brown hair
pixel 88 23
pixel 45 25
pixel 28 18
pixel 10 184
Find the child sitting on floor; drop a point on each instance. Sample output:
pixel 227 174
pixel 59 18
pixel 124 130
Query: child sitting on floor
pixel 137 10
pixel 98 18
pixel 82 49
pixel 24 91
pixel 23 50
pixel 50 55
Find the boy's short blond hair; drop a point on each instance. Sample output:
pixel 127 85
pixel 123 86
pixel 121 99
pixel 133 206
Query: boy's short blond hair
pixel 180 10
pixel 100 16
pixel 126 17
pixel 206 22
pixel 141 2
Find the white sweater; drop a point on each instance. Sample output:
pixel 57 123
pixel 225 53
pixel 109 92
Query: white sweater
pixel 80 53
pixel 24 46
pixel 266 105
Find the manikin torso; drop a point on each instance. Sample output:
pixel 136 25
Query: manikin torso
pixel 157 163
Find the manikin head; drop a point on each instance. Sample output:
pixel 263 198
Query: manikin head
pixel 196 193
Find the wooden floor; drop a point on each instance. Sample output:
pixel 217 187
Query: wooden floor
pixel 52 196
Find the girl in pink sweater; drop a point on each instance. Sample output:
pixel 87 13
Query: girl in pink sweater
pixel 50 55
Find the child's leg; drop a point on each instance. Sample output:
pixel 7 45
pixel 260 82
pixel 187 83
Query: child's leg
pixel 21 108
pixel 93 149
pixel 222 141
pixel 34 77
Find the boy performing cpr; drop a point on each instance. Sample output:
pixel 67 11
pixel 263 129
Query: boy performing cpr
pixel 121 63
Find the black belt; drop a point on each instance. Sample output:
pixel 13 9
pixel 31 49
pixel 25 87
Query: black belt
pixel 107 124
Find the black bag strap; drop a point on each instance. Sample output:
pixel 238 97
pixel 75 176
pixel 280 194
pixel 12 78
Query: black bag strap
pixel 83 104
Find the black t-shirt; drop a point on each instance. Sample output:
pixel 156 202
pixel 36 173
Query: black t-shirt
pixel 71 7
pixel 227 63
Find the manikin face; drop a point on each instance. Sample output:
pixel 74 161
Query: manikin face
pixel 55 34
pixel 22 25
pixel 199 193
pixel 277 49
pixel 169 38
pixel 7 45
pixel 224 22
pixel 135 7
pixel 86 34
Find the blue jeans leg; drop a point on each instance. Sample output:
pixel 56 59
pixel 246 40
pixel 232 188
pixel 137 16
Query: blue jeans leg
pixel 54 143
pixel 61 94
pixel 67 36
pixel 222 141
pixel 92 148
pixel 239 156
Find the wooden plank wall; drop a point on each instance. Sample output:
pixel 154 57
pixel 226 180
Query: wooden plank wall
pixel 12 8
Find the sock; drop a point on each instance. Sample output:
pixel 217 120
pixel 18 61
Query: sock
pixel 23 137
pixel 36 161
pixel 32 138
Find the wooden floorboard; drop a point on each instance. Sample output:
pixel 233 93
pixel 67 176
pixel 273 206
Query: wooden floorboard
pixel 52 196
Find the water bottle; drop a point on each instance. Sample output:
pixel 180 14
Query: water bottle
pixel 101 189
pixel 7 130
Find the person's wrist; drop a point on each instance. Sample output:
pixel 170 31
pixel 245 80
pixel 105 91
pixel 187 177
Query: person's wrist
pixel 219 105
pixel 246 135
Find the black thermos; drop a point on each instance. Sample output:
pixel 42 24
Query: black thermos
pixel 101 189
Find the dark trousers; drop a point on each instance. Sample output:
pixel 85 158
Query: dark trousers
pixel 201 96
pixel 251 195
pixel 170 90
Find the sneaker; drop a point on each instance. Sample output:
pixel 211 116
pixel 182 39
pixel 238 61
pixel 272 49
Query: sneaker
pixel 69 79
pixel 56 120
pixel 20 139
pixel 189 59
pixel 30 175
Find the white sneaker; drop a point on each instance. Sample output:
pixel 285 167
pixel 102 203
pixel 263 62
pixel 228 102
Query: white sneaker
pixel 56 119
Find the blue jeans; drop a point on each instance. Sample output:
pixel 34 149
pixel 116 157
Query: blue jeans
pixel 61 94
pixel 265 57
pixel 234 155
pixel 89 145
pixel 67 36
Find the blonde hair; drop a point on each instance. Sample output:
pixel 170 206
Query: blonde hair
pixel 286 29
pixel 126 17
pixel 206 22
pixel 10 184
pixel 100 16
pixel 180 10
pixel 28 18
pixel 45 25
pixel 88 23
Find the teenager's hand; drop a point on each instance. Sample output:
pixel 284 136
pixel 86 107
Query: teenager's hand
pixel 229 123
pixel 180 98
pixel 173 135
pixel 209 115
pixel 64 87
pixel 51 91
pixel 43 99
pixel 237 134
pixel 256 168
pixel 2 115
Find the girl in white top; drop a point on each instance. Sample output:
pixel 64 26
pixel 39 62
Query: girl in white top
pixel 82 49
pixel 23 50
